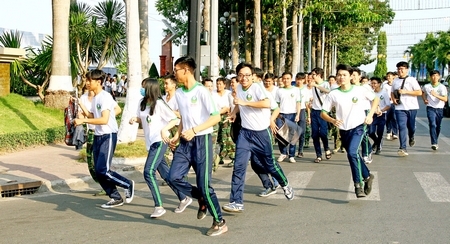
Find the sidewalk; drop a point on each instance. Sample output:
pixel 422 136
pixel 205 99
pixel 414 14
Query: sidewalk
pixel 57 167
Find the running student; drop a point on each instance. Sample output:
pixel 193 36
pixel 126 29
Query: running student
pixel 255 137
pixel 102 114
pixel 198 116
pixel 352 120
pixel 157 118
pixel 379 118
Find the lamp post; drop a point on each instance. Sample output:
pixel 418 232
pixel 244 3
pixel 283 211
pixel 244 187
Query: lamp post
pixel 234 35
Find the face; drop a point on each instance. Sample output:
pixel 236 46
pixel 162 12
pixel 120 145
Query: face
pixel 315 77
pixel 92 85
pixel 245 77
pixel 332 80
pixel 364 81
pixel 234 83
pixel 268 82
pixel 355 78
pixel 220 86
pixel 287 80
pixel 435 78
pixel 180 73
pixel 169 85
pixel 299 82
pixel 390 77
pixel 209 85
pixel 343 77
pixel 375 85
pixel 402 71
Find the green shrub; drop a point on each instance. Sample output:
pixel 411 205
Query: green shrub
pixel 13 141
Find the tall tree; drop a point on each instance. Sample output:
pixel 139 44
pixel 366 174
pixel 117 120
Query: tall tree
pixel 257 33
pixel 381 67
pixel 127 132
pixel 60 84
pixel 143 34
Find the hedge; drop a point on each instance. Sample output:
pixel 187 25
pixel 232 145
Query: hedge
pixel 14 141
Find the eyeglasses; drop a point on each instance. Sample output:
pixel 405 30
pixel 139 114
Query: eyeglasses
pixel 240 76
pixel 176 70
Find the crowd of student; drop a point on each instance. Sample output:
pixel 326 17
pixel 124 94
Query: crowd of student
pixel 253 105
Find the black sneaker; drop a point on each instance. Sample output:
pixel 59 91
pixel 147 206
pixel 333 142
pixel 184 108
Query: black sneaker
pixel 201 213
pixel 113 203
pixel 412 142
pixel 359 192
pixel 217 228
pixel 368 184
pixel 378 151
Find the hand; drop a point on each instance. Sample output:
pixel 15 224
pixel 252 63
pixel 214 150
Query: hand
pixel 425 101
pixel 368 120
pixel 308 120
pixel 297 118
pixel 402 91
pixel 73 99
pixel 434 93
pixel 238 101
pixel 77 122
pixel 165 136
pixel 231 117
pixel 133 120
pixel 337 123
pixel 188 134
pixel 273 127
pixel 173 141
pixel 379 113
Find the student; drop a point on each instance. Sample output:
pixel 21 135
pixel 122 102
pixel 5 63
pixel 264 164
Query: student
pixel 319 127
pixel 102 114
pixel 198 116
pixel 254 138
pixel 288 99
pixel 434 96
pixel 305 98
pixel 157 118
pixel 269 84
pixel 352 120
pixel 405 91
pixel 379 118
pixel 391 122
pixel 224 127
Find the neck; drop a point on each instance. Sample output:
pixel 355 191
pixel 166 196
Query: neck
pixel 190 82
pixel 346 86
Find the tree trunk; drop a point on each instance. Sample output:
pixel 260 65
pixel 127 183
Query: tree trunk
pixel 266 51
pixel 313 51
pixel 234 41
pixel 295 41
pixel 60 86
pixel 127 133
pixel 248 44
pixel 271 44
pixel 282 61
pixel 277 56
pixel 143 23
pixel 257 34
pixel 319 50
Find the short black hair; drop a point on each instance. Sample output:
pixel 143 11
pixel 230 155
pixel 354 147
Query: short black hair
pixel 377 79
pixel 344 67
pixel 287 73
pixel 269 76
pixel 390 73
pixel 300 75
pixel 435 72
pixel 97 74
pixel 331 76
pixel 244 65
pixel 259 72
pixel 356 69
pixel 402 64
pixel 170 77
pixel 186 61
pixel 206 80
pixel 221 79
pixel 318 71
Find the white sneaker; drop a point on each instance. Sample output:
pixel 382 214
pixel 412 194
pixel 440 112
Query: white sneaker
pixel 435 147
pixel 368 159
pixel 394 137
pixel 402 153
pixel 159 211
pixel 281 158
pixel 389 137
pixel 292 160
pixel 183 204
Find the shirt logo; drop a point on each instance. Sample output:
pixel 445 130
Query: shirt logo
pixel 292 94
pixel 194 99
pixel 381 97
pixel 149 120
pixel 249 97
pixel 354 99
pixel 99 107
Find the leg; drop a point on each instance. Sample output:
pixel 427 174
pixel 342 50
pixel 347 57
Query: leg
pixel 240 166
pixel 154 160
pixel 302 124
pixel 315 131
pixel 402 119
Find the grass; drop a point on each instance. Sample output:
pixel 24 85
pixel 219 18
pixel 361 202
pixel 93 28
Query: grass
pixel 18 114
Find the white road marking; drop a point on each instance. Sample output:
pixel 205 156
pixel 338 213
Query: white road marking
pixel 373 196
pixel 434 185
pixel 298 180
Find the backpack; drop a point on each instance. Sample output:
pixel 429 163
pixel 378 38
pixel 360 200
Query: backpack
pixel 70 113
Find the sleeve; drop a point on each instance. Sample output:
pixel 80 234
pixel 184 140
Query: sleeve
pixel 299 97
pixel 444 91
pixel 260 93
pixel 370 95
pixel 277 96
pixel 108 103
pixel 208 101
pixel 166 112
pixel 138 109
pixel 328 103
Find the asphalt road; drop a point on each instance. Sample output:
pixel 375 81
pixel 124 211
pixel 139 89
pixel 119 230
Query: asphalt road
pixel 410 203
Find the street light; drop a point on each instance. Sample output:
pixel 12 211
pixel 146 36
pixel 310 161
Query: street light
pixel 234 35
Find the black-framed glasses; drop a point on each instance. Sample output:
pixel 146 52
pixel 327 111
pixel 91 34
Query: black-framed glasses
pixel 240 76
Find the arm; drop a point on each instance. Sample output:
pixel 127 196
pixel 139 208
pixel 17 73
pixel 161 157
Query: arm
pixel 321 88
pixel 369 117
pixel 103 120
pixel 442 98
pixel 117 110
pixel 424 97
pixel 265 103
pixel 273 117
pixel 411 93
pixel 297 115
pixel 165 131
pixel 211 121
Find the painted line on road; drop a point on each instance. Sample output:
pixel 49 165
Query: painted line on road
pixel 435 186
pixel 298 180
pixel 373 196
pixel 223 188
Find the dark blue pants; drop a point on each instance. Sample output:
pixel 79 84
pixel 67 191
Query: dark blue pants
pixel 319 131
pixel 259 169
pixel 283 148
pixel 435 116
pixel 259 144
pixel 302 124
pixel 155 161
pixel 406 122
pixel 391 122
pixel 198 154
pixel 377 129
pixel 103 151
pixel 351 140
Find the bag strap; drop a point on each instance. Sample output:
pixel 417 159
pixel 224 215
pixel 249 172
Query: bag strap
pixel 403 83
pixel 317 94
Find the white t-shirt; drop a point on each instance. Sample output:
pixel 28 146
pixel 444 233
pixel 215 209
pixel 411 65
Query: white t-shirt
pixel 274 91
pixel 195 107
pixel 153 124
pixel 384 99
pixel 256 119
pixel 368 87
pixel 172 102
pixel 350 105
pixel 316 103
pixel 287 98
pixel 101 102
pixel 407 101
pixel 388 89
pixel 305 96
pixel 84 99
pixel 120 86
pixel 222 101
pixel 433 101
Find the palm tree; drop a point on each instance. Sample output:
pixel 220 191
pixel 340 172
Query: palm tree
pixel 443 48
pixel 143 22
pixel 60 85
pixel 257 33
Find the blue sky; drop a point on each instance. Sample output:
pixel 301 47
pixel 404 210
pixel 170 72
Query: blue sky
pixel 35 16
